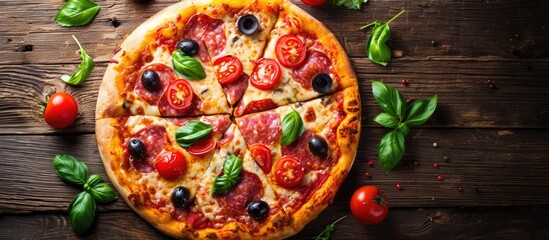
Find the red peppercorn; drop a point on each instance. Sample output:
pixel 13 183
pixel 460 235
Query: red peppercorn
pixel 460 189
pixel 368 175
pixel 435 165
pixel 404 82
pixel 398 186
pixel 371 163
pixel 439 177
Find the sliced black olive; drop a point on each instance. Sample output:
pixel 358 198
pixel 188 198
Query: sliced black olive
pixel 322 83
pixel 180 197
pixel 150 80
pixel 136 148
pixel 188 47
pixel 258 209
pixel 319 147
pixel 248 24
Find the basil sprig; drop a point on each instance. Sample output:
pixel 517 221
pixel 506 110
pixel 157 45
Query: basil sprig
pixel 82 207
pixel 187 67
pixel 231 174
pixel 399 117
pixel 84 69
pixel 350 4
pixel 191 132
pixel 376 48
pixel 292 127
pixel 77 13
pixel 325 235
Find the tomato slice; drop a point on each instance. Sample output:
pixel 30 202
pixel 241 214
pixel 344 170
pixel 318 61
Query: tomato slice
pixel 266 74
pixel 180 94
pixel 263 156
pixel 171 165
pixel 290 51
pixel 202 146
pixel 289 172
pixel 227 69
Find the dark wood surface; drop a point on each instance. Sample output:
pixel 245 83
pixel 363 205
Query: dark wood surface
pixel 486 60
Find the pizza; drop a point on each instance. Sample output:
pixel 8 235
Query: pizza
pixel 223 119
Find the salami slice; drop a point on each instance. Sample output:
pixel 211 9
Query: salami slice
pixel 315 63
pixel 262 128
pixel 247 190
pixel 235 90
pixel 166 75
pixel 300 150
pixel 154 138
pixel 208 32
pixel 254 106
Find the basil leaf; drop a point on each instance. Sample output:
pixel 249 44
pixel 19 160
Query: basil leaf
pixel 70 169
pixel 231 174
pixel 84 69
pixel 77 13
pixel 187 67
pixel 93 180
pixel 103 193
pixel 81 212
pixel 350 4
pixel 292 127
pixel 376 48
pixel 387 120
pixel 403 129
pixel 389 99
pixel 191 132
pixel 391 150
pixel 420 111
pixel 325 235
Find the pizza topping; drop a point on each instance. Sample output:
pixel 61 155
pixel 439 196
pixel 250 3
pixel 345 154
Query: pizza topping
pixel 181 197
pixel 179 94
pixel 154 140
pixel 300 150
pixel 231 174
pixel 235 90
pixel 261 128
pixel 189 47
pixel 191 132
pixel 292 127
pixel 254 106
pixel 322 83
pixel 165 77
pixel 236 201
pixel 258 209
pixel 263 156
pixel 290 51
pixel 171 165
pixel 266 74
pixel 289 172
pixel 208 32
pixel 136 148
pixel 150 80
pixel 248 24
pixel 319 147
pixel 202 147
pixel 315 63
pixel 227 69
pixel 187 67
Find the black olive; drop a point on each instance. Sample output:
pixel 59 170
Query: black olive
pixel 322 83
pixel 180 197
pixel 318 146
pixel 258 209
pixel 248 24
pixel 136 148
pixel 188 47
pixel 150 80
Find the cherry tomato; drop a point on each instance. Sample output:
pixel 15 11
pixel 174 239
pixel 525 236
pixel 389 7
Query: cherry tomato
pixel 171 165
pixel 266 74
pixel 289 172
pixel 202 146
pixel 227 69
pixel 314 3
pixel 290 51
pixel 263 156
pixel 61 110
pixel 369 205
pixel 180 94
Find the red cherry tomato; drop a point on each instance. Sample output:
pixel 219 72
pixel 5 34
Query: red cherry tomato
pixel 314 3
pixel 202 146
pixel 171 165
pixel 180 94
pixel 289 172
pixel 266 74
pixel 61 110
pixel 369 205
pixel 263 156
pixel 227 69
pixel 290 51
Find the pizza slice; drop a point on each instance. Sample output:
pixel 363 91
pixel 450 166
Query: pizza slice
pixel 302 60
pixel 305 165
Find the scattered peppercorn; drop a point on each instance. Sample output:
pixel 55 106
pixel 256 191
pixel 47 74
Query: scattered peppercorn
pixel 398 186
pixel 371 163
pixel 435 165
pixel 460 189
pixel 368 175
pixel 439 177
pixel 404 82
pixel 446 158
pixel 435 145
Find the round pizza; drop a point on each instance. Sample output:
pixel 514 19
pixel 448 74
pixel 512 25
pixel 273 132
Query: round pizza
pixel 221 119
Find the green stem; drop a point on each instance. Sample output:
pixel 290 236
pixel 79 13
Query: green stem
pixel 367 25
pixel 334 223
pixel 400 13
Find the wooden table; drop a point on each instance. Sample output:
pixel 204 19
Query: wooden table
pixel 486 60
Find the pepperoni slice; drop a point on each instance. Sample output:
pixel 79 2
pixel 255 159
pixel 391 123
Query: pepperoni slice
pixel 235 90
pixel 154 138
pixel 208 32
pixel 236 200
pixel 261 128
pixel 300 150
pixel 254 106
pixel 166 75
pixel 315 63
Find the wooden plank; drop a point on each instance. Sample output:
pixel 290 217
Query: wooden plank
pixel 490 166
pixel 472 93
pixel 402 223
pixel 503 29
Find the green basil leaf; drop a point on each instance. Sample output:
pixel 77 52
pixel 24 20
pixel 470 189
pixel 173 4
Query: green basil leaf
pixel 81 212
pixel 350 4
pixel 84 69
pixel 386 120
pixel 70 169
pixel 389 99
pixel 420 111
pixel 390 150
pixel 403 129
pixel 93 180
pixel 191 132
pixel 187 67
pixel 231 173
pixel 77 13
pixel 376 48
pixel 103 193
pixel 292 127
